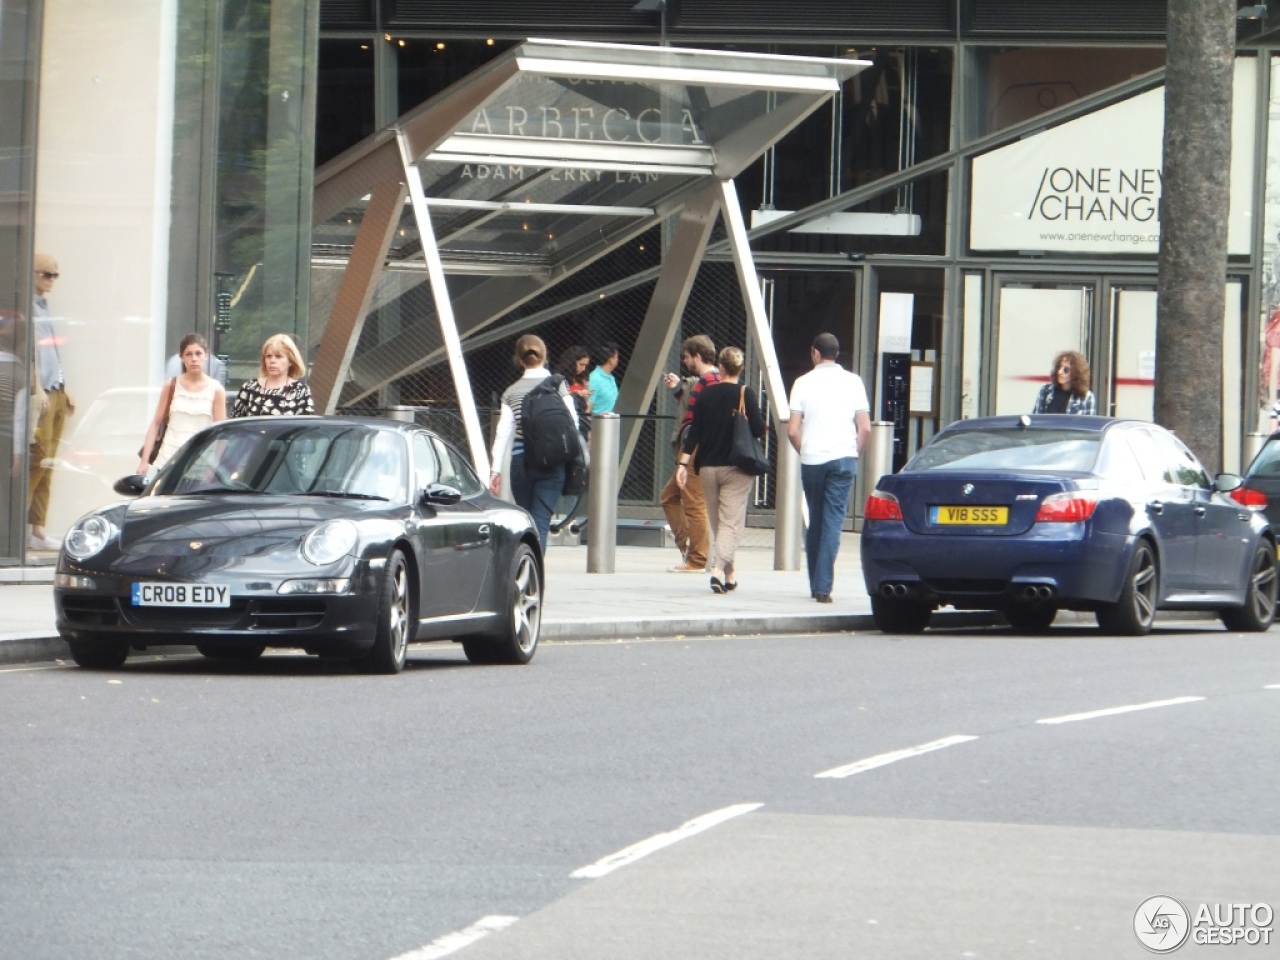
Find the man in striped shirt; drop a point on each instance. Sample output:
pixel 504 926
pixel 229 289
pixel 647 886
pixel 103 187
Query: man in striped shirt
pixel 686 507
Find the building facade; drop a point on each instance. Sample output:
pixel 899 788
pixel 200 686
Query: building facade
pixel 982 196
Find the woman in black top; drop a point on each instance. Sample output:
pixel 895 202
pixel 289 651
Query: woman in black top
pixel 279 390
pixel 707 447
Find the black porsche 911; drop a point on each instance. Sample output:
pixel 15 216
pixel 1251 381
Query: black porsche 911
pixel 340 536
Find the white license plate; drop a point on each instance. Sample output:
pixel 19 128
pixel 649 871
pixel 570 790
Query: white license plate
pixel 181 595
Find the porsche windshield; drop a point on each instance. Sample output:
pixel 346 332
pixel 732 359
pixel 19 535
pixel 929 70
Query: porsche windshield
pixel 1053 450
pixel 327 459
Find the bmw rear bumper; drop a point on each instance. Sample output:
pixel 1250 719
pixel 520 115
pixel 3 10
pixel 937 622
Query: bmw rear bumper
pixel 1050 563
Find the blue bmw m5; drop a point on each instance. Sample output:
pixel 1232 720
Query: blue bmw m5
pixel 1030 515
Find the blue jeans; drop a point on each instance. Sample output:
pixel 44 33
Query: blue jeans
pixel 826 489
pixel 537 492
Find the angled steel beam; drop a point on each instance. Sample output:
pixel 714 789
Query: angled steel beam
pixel 444 314
pixel 757 318
pixel 351 305
pixel 662 318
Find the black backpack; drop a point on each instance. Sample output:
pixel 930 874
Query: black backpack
pixel 551 438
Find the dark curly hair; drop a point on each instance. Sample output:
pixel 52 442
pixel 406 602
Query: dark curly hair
pixel 1079 385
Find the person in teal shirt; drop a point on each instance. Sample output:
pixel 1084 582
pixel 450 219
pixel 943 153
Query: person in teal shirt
pixel 603 385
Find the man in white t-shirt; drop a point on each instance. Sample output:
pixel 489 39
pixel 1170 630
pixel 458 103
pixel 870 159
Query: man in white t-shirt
pixel 830 423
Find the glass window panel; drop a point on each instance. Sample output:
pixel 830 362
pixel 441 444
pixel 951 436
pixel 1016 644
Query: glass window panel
pixel 345 101
pixel 1016 84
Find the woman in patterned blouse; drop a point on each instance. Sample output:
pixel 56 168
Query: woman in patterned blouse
pixel 279 390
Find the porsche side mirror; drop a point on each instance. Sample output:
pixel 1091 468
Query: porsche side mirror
pixel 441 493
pixel 130 486
pixel 1226 482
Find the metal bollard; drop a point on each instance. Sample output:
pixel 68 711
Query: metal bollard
pixel 602 494
pixel 878 458
pixel 403 414
pixel 786 524
pixel 1252 444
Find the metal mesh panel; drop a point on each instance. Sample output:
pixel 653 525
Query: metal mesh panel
pixel 606 301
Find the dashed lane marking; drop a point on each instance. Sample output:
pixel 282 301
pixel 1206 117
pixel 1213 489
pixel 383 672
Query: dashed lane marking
pixel 645 847
pixel 1113 711
pixel 453 942
pixel 883 759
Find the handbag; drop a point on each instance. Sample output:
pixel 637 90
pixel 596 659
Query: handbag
pixel 164 425
pixel 577 470
pixel 746 454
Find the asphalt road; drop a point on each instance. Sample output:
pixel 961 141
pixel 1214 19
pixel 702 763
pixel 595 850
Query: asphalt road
pixel 645 799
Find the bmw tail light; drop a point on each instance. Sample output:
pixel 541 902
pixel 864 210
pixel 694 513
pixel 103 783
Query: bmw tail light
pixel 882 506
pixel 1074 507
pixel 1248 497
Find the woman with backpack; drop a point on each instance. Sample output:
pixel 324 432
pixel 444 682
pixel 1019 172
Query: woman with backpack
pixel 536 481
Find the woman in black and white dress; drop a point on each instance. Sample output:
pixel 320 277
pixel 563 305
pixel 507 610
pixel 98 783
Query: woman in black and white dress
pixel 279 390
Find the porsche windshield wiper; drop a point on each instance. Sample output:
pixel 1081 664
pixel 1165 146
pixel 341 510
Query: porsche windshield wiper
pixel 348 494
pixel 218 489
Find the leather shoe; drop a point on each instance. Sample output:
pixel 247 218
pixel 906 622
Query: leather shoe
pixel 822 597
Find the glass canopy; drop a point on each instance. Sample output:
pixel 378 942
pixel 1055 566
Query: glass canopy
pixel 526 171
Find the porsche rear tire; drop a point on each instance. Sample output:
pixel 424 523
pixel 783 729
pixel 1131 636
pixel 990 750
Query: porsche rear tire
pixel 1134 613
pixel 1259 610
pixel 98 655
pixel 517 641
pixel 900 616
pixel 395 621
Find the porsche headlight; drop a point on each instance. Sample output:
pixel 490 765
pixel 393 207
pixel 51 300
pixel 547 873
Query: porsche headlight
pixel 88 536
pixel 330 541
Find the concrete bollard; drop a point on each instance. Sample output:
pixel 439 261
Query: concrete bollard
pixel 1252 444
pixel 877 459
pixel 602 494
pixel 787 525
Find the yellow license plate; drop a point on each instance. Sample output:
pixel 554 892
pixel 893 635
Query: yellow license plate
pixel 970 516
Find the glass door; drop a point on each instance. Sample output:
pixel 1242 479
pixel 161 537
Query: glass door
pixel 1131 379
pixel 1035 319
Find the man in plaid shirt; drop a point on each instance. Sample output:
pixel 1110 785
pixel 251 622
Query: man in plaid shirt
pixel 686 507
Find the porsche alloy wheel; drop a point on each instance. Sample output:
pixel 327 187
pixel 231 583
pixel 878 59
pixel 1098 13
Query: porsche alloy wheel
pixel 1259 610
pixel 518 639
pixel 395 615
pixel 1135 611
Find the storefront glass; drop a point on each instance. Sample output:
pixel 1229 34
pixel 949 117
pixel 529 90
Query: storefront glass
pixel 18 36
pixel 126 199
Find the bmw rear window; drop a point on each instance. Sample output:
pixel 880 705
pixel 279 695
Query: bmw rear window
pixel 1055 449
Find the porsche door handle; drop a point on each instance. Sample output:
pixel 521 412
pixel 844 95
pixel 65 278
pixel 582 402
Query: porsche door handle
pixel 1156 507
pixel 484 533
pixel 1199 510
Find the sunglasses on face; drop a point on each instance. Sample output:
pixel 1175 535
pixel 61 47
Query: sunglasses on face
pixel 1064 368
pixel 47 275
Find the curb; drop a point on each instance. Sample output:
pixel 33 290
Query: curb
pixel 17 650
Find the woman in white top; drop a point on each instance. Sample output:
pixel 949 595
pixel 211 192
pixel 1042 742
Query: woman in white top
pixel 198 400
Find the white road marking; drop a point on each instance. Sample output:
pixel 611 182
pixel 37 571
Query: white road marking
pixel 28 668
pixel 1272 686
pixel 453 942
pixel 883 759
pixel 655 843
pixel 1112 711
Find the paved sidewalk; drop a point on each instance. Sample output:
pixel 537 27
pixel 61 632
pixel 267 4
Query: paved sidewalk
pixel 640 599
